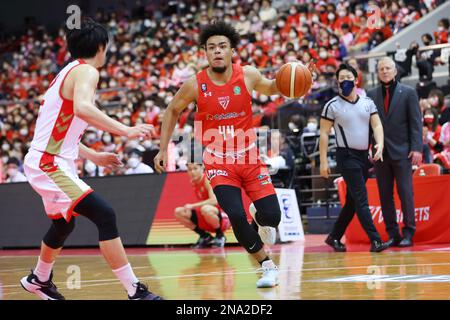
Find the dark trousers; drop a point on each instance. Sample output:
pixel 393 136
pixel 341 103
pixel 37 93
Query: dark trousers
pixel 399 171
pixel 426 69
pixel 353 164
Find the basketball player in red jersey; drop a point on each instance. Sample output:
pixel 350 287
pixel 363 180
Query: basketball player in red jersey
pixel 223 124
pixel 205 215
pixel 67 110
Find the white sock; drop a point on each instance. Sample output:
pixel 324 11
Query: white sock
pixel 126 275
pixel 268 264
pixel 43 270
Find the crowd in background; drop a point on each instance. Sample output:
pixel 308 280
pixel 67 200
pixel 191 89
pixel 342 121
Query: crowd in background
pixel 154 50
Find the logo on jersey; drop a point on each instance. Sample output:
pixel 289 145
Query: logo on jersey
pixel 237 90
pixel 225 116
pixel 264 179
pixel 224 101
pixel 204 87
pixel 207 94
pixel 210 174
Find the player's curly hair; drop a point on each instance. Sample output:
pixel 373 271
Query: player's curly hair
pixel 219 28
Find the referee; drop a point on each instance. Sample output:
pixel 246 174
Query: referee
pixel 351 116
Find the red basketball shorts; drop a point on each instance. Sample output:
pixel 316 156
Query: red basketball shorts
pixel 252 176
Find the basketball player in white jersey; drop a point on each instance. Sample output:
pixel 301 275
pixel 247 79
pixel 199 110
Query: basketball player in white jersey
pixel 68 108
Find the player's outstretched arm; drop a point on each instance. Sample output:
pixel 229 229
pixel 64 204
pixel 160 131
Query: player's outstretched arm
pixel 85 82
pixel 258 82
pixel 102 159
pixel 185 96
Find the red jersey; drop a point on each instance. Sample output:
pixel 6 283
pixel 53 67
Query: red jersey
pixel 200 190
pixel 224 113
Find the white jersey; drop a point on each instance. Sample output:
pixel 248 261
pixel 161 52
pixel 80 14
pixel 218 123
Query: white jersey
pixel 58 131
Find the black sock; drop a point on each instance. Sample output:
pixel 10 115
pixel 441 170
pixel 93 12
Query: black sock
pixel 219 232
pixel 265 259
pixel 201 232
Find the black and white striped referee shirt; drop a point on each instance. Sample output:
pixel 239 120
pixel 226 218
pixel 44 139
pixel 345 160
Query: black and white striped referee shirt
pixel 351 121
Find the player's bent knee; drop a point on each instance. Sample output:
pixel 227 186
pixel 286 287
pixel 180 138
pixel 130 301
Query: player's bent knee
pixel 273 219
pixel 58 233
pixel 178 215
pixel 101 214
pixel 179 210
pixel 182 214
pixel 268 211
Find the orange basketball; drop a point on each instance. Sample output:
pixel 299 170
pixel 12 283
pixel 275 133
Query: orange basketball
pixel 293 80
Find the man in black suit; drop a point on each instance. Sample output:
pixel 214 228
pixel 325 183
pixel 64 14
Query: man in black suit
pixel 398 107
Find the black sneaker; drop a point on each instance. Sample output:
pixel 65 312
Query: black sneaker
pixel 142 293
pixel 219 242
pixel 203 242
pixel 45 290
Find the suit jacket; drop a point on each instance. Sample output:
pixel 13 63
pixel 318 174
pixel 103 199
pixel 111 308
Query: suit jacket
pixel 403 124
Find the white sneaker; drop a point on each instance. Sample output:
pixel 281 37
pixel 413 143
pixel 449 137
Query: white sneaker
pixel 269 278
pixel 268 234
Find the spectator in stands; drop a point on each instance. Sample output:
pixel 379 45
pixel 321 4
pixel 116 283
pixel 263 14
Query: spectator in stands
pixel 427 158
pixel 108 144
pixel 90 169
pixel 441 36
pixel 375 39
pixel 444 157
pixel 338 49
pixel 267 13
pixel 325 59
pixel 433 130
pixel 346 36
pixel 312 125
pixel 426 59
pixel 13 171
pixel 5 149
pixel 135 164
pixel 436 100
pixel 361 81
pixel 403 59
pixel 296 123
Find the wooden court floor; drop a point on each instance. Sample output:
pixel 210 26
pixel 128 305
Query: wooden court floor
pixel 308 270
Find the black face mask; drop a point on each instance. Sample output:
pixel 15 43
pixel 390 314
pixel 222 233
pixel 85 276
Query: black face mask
pixel 346 87
pixel 426 43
